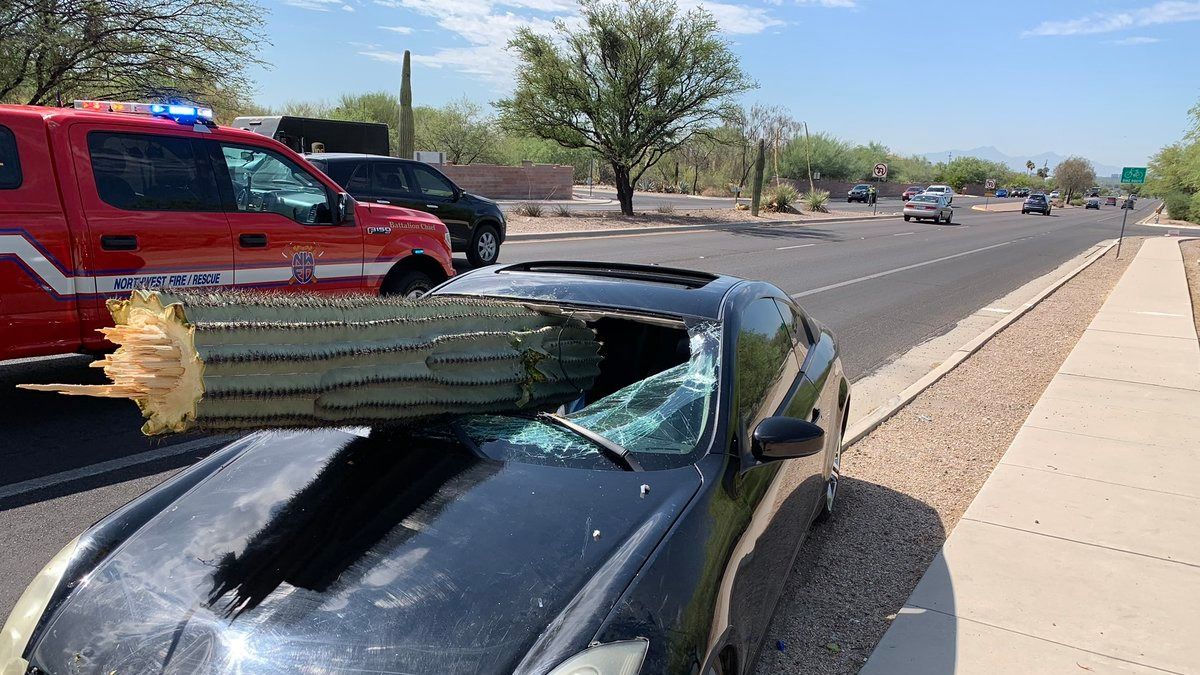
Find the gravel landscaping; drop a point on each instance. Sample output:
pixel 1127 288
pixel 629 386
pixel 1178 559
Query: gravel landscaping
pixel 907 484
pixel 1191 264
pixel 603 220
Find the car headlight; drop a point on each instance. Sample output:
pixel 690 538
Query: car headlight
pixel 29 609
pixel 446 236
pixel 614 658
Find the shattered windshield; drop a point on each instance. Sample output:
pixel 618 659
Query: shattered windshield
pixel 658 419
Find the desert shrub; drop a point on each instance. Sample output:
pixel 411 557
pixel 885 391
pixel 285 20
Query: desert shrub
pixel 1178 205
pixel 562 211
pixel 665 208
pixel 531 209
pixel 816 201
pixel 782 198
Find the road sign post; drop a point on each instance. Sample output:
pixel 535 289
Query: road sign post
pixel 1134 175
pixel 989 184
pixel 880 172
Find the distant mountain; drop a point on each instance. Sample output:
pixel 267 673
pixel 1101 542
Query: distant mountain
pixel 1016 162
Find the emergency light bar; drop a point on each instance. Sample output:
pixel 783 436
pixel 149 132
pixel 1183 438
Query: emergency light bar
pixel 184 114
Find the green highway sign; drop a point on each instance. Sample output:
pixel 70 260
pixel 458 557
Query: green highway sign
pixel 1133 174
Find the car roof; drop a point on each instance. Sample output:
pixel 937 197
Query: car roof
pixel 644 288
pixel 353 155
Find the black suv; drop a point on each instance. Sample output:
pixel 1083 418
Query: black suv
pixel 858 193
pixel 1036 204
pixel 476 224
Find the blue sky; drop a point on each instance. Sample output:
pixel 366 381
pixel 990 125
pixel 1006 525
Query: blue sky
pixel 1108 80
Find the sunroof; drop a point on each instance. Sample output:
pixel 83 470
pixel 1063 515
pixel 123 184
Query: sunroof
pixel 646 273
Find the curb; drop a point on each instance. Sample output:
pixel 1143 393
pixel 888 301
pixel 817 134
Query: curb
pixel 858 430
pixel 612 231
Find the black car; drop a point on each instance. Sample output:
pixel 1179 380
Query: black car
pixel 649 528
pixel 858 193
pixel 1037 203
pixel 476 224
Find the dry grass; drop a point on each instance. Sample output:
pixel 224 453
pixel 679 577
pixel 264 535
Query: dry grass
pixel 907 484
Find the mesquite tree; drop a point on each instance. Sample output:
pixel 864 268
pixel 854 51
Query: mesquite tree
pixel 632 82
pixel 1074 175
pixel 52 51
pixel 759 166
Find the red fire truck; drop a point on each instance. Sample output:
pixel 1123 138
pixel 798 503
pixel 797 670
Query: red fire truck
pixel 107 196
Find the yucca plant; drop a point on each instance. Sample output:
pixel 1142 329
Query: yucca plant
pixel 237 360
pixel 782 197
pixel 816 201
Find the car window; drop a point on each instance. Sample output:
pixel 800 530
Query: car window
pixel 390 178
pixel 144 172
pixel 353 176
pixel 10 164
pixel 267 182
pixel 763 347
pixel 924 198
pixel 431 184
pixel 801 337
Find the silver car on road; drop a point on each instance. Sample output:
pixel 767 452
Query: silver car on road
pixel 929 206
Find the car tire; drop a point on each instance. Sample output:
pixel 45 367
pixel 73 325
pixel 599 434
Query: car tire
pixel 937 219
pixel 906 218
pixel 949 217
pixel 411 284
pixel 485 246
pixel 831 486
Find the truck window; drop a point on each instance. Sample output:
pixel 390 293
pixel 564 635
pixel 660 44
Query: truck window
pixel 431 184
pixel 10 164
pixel 143 172
pixel 352 176
pixel 389 179
pixel 266 182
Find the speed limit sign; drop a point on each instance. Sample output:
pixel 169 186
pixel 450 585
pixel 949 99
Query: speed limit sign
pixel 880 170
pixel 990 184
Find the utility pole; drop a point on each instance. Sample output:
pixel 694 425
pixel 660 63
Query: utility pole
pixel 808 157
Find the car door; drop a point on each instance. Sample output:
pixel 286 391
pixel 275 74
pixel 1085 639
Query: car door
pixel 441 197
pixel 777 496
pixel 153 212
pixel 280 217
pixel 392 184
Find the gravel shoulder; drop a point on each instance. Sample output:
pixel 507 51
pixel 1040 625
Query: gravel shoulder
pixel 584 221
pixel 907 484
pixel 1191 266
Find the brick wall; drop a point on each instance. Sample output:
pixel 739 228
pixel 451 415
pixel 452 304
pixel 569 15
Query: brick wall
pixel 528 181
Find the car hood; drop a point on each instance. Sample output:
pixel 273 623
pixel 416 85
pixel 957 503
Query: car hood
pixel 375 553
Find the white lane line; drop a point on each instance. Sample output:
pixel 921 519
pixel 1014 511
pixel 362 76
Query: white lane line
pixel 913 266
pixel 903 234
pixel 111 465
pixel 788 248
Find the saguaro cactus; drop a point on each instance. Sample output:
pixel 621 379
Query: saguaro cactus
pixel 247 361
pixel 407 131
pixel 760 164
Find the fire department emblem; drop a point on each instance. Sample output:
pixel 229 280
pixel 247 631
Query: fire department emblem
pixel 304 262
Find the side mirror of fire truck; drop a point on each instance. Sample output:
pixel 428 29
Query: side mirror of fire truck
pixel 343 212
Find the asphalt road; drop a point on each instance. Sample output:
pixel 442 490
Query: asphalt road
pixel 882 285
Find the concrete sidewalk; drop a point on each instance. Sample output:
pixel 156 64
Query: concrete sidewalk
pixel 1082 551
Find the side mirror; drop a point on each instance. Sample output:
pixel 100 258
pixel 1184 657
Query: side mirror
pixel 786 438
pixel 458 193
pixel 344 209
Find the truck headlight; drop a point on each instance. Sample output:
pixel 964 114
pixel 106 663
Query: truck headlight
pixel 614 658
pixel 29 609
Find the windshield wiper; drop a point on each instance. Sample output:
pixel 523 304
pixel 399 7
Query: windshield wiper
pixel 612 449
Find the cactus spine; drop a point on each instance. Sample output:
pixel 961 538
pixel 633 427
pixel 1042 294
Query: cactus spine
pixel 249 361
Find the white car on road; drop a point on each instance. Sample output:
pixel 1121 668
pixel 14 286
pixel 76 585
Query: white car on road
pixel 942 190
pixel 929 206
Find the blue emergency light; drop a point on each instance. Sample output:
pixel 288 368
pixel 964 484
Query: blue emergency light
pixel 183 114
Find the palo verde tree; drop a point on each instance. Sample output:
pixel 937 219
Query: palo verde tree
pixel 1074 175
pixel 55 50
pixel 633 82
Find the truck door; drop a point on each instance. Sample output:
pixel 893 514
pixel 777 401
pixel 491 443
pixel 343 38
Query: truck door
pixel 280 215
pixel 154 217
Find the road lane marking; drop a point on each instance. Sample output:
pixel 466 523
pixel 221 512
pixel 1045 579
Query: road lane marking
pixel 98 468
pixel 787 248
pixel 903 234
pixel 913 266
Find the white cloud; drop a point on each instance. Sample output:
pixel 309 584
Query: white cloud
pixel 736 19
pixel 486 26
pixel 314 5
pixel 347 8
pixel 403 30
pixel 1130 41
pixel 1168 11
pixel 845 4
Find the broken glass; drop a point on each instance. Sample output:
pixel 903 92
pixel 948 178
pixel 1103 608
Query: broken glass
pixel 666 413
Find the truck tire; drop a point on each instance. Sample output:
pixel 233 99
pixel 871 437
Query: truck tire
pixel 485 246
pixel 411 284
